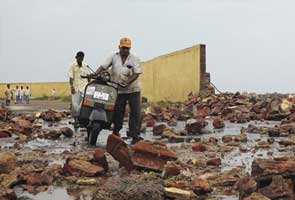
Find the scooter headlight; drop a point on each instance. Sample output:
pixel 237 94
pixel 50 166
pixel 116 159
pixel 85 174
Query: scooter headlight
pixel 106 76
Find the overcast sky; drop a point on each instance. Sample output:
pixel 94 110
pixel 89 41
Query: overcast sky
pixel 250 43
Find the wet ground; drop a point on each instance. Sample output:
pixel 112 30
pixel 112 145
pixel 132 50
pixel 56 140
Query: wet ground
pixel 53 152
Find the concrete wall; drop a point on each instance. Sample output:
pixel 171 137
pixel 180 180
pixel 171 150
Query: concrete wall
pixel 172 76
pixel 40 89
pixel 168 77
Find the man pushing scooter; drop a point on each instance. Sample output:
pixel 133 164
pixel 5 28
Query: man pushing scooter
pixel 125 69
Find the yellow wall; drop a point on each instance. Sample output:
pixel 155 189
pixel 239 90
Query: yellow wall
pixel 168 77
pixel 40 89
pixel 173 76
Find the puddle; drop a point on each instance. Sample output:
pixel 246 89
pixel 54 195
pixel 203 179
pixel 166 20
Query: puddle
pixel 57 193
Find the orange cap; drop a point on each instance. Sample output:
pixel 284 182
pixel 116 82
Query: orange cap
pixel 125 42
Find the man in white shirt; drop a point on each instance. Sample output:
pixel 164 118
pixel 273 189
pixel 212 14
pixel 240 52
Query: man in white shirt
pixel 125 69
pixel 77 83
pixel 27 95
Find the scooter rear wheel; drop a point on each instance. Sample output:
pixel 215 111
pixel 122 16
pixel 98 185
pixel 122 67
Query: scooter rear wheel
pixel 93 134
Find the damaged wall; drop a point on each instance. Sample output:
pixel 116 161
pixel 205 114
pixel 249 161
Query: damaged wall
pixel 170 77
pixel 173 76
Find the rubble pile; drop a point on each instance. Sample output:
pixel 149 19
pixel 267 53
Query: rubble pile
pixel 200 149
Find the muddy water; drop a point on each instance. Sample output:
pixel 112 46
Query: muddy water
pixel 54 150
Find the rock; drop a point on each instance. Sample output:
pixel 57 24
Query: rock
pixel 223 179
pixel 53 170
pixel 155 149
pixel 159 129
pixel 227 138
pixel 194 126
pixel 177 193
pixel 170 169
pixel 201 186
pixel 5 133
pixel 52 115
pixel 262 144
pixel 256 196
pixel 169 133
pixel 286 142
pixel 23 126
pixel 100 158
pixel 8 180
pixel 151 123
pixel 198 147
pixel 120 151
pixel 279 188
pixel 7 162
pixel 53 134
pixel 269 167
pixel 67 132
pixel 86 181
pixel 151 155
pixel 213 140
pixel 240 138
pixel 242 118
pixel 214 162
pixel 270 140
pixel 274 132
pixel 172 122
pixel 243 149
pixel 148 162
pixel 218 123
pixel 7 194
pixel 82 168
pixel 4 113
pixel 247 186
pixel 36 179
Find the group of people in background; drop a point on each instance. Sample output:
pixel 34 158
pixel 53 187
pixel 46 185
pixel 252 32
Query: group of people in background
pixel 19 94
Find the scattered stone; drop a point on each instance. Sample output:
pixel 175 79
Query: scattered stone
pixel 218 123
pixel 279 188
pixel 4 113
pixel 120 151
pixel 151 155
pixel 52 115
pixel 247 186
pixel 170 169
pixel 100 158
pixel 82 168
pixel 7 194
pixel 7 162
pixel 227 138
pixel 159 129
pixel 269 167
pixel 194 126
pixel 201 186
pixel 5 133
pixel 199 147
pixel 86 181
pixel 67 132
pixel 213 140
pixel 214 162
pixel 177 193
pixel 256 196
pixel 36 179
pixel 8 180
pixel 151 123
pixel 53 134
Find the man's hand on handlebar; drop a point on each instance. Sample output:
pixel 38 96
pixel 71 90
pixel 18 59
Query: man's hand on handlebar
pixel 122 84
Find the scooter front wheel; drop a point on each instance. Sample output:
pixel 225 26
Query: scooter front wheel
pixel 93 133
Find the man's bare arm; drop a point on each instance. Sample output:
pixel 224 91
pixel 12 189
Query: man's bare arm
pixel 73 91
